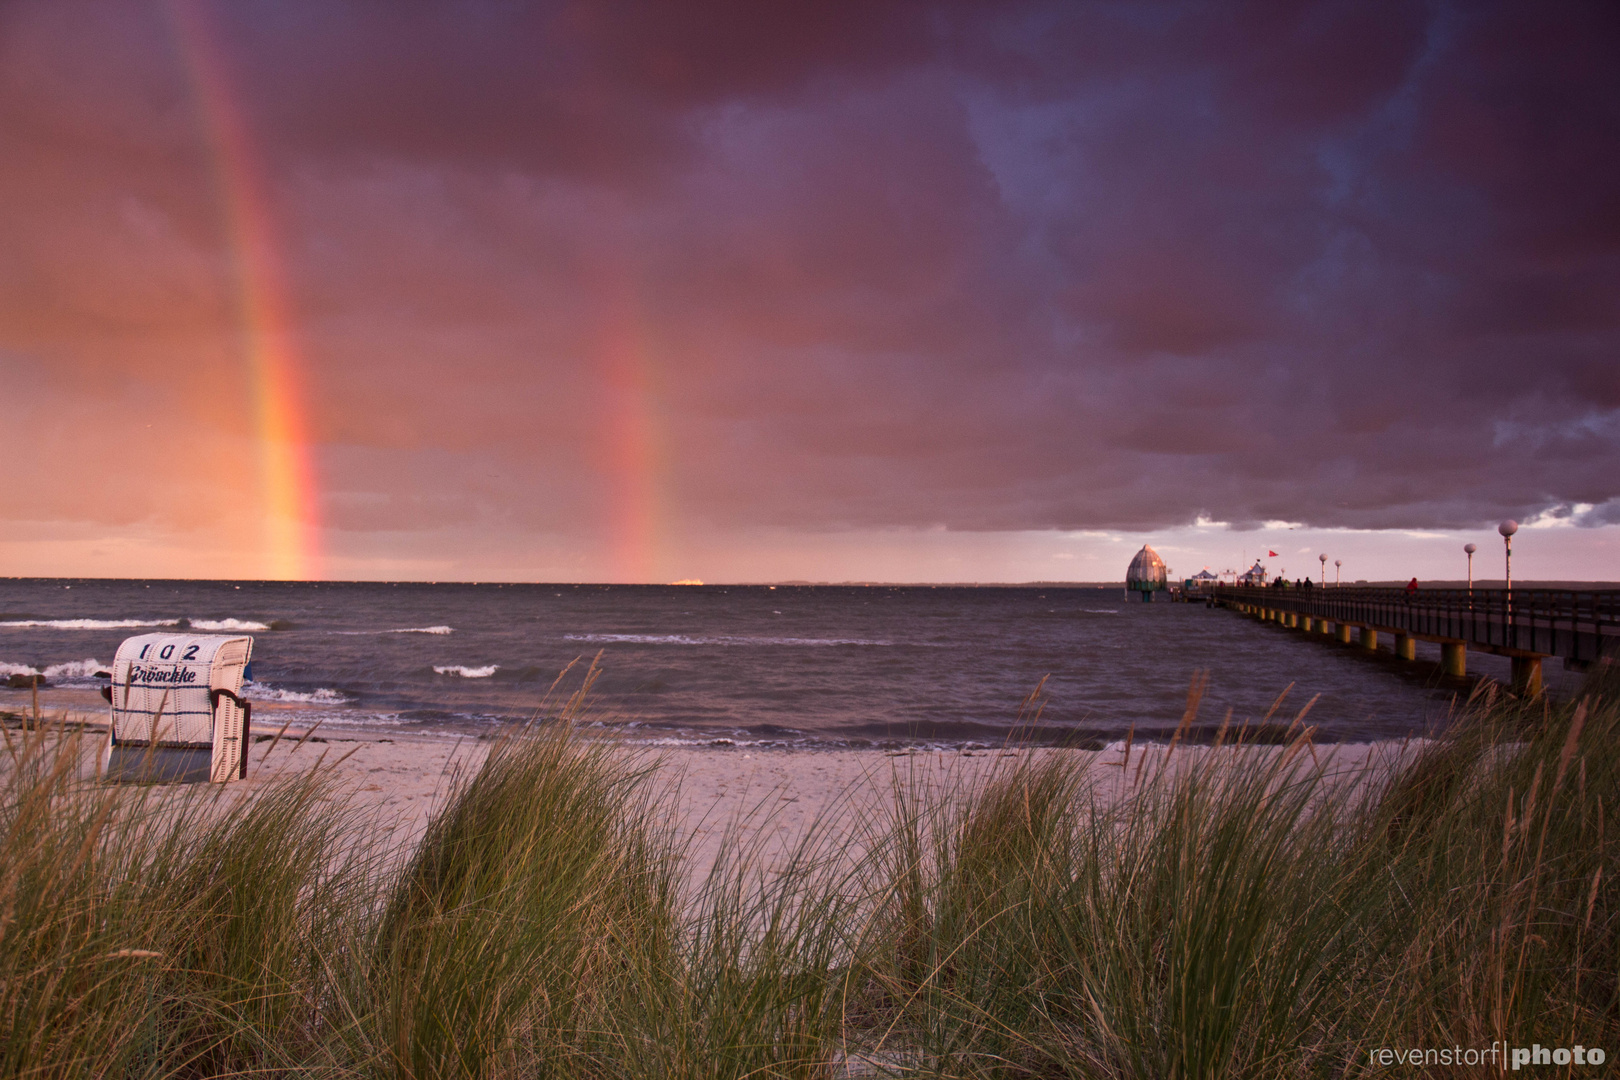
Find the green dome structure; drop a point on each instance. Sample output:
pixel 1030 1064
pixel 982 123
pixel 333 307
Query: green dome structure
pixel 1147 573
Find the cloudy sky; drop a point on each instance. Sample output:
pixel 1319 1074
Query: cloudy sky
pixel 903 291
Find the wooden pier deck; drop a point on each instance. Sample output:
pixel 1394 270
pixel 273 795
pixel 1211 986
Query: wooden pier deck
pixel 1527 625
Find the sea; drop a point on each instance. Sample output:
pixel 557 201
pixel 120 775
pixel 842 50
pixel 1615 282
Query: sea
pixel 789 665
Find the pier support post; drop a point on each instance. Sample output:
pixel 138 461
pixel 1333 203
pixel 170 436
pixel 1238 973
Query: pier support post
pixel 1527 675
pixel 1405 647
pixel 1307 624
pixel 1293 620
pixel 1322 625
pixel 1454 658
pixel 1344 633
pixel 1369 639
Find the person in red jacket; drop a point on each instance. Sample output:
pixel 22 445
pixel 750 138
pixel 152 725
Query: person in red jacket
pixel 1411 588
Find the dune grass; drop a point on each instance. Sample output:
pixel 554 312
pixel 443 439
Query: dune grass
pixel 1218 912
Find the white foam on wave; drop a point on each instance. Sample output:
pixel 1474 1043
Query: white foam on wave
pixel 1100 611
pixel 718 639
pixel 86 624
pixel 467 672
pixel 227 624
pixel 69 669
pixel 404 630
pixel 75 669
pixel 132 624
pixel 254 691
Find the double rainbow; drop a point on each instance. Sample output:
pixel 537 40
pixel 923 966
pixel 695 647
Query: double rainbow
pixel 289 496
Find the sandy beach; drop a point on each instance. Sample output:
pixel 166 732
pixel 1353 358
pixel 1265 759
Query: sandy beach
pixel 397 781
pixel 909 946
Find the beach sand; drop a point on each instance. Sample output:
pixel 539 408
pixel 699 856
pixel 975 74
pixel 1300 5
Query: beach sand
pixel 770 797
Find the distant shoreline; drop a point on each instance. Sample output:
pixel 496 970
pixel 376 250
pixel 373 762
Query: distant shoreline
pixel 1479 583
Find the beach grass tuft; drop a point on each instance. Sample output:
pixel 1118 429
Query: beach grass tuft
pixel 1215 909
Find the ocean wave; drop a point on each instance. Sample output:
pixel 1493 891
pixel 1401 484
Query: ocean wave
pixel 718 639
pixel 134 624
pixel 75 669
pixel 87 624
pixel 67 671
pixel 227 624
pixel 467 672
pixel 260 692
pixel 404 630
pixel 1100 611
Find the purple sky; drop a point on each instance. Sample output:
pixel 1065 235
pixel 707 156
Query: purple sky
pixel 890 291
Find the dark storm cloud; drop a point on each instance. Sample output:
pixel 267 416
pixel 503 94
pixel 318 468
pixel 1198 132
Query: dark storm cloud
pixel 997 266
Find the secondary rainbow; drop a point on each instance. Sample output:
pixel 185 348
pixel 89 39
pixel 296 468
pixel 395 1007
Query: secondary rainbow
pixel 632 444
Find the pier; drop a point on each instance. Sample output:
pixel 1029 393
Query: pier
pixel 1526 625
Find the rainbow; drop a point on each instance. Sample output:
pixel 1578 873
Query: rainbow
pixel 631 445
pixel 289 498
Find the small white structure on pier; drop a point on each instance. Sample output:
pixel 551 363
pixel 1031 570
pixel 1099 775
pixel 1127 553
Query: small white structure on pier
pixel 1202 580
pixel 1147 573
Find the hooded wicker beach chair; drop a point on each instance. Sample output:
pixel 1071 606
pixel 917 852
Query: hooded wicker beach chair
pixel 177 710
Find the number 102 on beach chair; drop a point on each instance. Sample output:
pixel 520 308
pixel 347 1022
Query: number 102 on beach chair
pixel 177 709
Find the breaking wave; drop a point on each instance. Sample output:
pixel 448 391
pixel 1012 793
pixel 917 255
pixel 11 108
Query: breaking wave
pixel 88 624
pixel 467 672
pixel 69 671
pixel 227 624
pixel 134 624
pixel 403 630
pixel 260 692
pixel 718 639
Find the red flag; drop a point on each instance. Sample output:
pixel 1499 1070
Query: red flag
pixel 1271 554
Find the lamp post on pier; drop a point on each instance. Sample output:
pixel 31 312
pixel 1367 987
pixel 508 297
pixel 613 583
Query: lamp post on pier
pixel 1336 564
pixel 1323 560
pixel 1470 549
pixel 1507 529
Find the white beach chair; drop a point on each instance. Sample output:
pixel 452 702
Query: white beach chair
pixel 177 710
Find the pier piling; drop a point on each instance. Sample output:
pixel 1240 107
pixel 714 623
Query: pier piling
pixel 1454 658
pixel 1525 625
pixel 1527 675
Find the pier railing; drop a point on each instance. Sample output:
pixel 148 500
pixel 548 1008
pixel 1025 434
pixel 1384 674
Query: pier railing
pixel 1578 626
